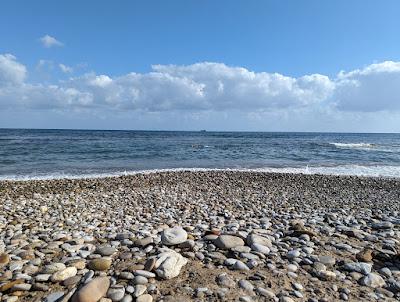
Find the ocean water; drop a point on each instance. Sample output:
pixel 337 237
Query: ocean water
pixel 42 154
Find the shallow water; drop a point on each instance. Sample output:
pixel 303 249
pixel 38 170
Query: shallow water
pixel 26 154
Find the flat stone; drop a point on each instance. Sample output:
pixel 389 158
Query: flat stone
pixel 140 289
pixel 143 242
pixel 255 238
pixel 227 242
pixel 105 250
pixel 144 273
pixel 53 267
pixel 64 274
pixel 359 267
pixel 263 249
pixel 53 297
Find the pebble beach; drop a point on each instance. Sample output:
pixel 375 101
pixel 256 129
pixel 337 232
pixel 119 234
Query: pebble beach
pixel 201 236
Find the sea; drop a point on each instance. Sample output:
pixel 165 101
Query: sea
pixel 47 154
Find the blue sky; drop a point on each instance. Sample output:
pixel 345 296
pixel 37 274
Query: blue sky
pixel 237 65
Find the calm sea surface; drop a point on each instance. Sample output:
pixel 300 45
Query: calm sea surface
pixel 26 154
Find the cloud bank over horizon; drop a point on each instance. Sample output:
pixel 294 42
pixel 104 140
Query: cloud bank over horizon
pixel 203 88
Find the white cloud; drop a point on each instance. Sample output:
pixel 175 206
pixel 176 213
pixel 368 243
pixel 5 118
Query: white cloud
pixel 11 71
pixel 207 87
pixel 49 41
pixel 65 68
pixel 373 88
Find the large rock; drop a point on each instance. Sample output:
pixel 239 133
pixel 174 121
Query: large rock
pixel 227 242
pixel 373 280
pixel 93 291
pixel 169 264
pixel 173 236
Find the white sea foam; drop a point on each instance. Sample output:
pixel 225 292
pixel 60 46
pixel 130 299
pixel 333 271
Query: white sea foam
pixel 349 170
pixel 354 145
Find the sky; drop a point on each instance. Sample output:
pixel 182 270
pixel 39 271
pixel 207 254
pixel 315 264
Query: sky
pixel 190 65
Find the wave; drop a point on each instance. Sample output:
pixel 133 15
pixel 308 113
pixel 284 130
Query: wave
pixel 341 170
pixel 368 147
pixel 354 145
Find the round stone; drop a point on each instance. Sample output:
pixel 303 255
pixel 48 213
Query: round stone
pixel 144 298
pixel 373 280
pixel 100 264
pixel 173 236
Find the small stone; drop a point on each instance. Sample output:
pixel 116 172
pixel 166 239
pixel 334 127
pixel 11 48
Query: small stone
pixel 105 250
pixel 365 255
pixel 246 285
pixel 144 273
pixel 149 265
pixel 293 254
pixel 4 259
pixel 53 297
pixel 116 293
pixel 143 242
pixel 240 266
pixel 53 267
pixel 327 260
pixel 225 281
pixel 265 293
pixel 140 280
pixel 139 290
pixel 359 267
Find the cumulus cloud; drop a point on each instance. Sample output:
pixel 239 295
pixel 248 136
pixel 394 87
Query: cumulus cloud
pixel 49 41
pixel 373 88
pixel 206 87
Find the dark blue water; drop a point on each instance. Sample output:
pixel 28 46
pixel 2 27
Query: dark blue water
pixel 78 153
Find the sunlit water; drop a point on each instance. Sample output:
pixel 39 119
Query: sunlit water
pixel 26 154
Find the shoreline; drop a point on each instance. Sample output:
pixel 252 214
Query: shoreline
pixel 269 170
pixel 231 236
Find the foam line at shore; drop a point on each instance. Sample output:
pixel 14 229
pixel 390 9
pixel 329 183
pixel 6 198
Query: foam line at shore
pixel 344 170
